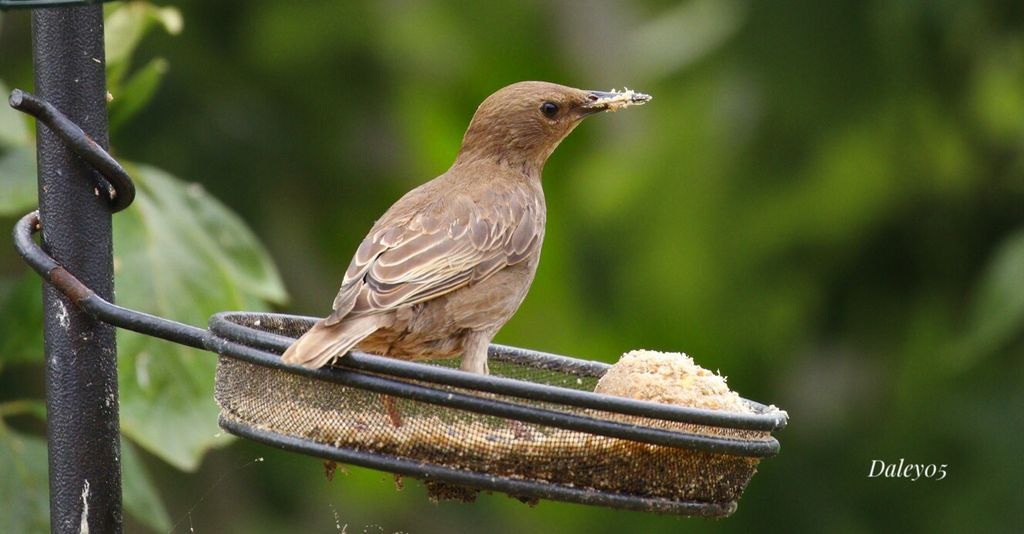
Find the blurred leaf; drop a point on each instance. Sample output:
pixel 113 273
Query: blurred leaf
pixel 180 254
pixel 14 129
pixel 24 486
pixel 17 180
pixel 136 92
pixel 17 162
pixel 124 27
pixel 847 186
pixel 140 496
pixel 297 35
pixel 684 34
pixel 998 92
pixel 23 473
pixel 212 232
pixel 21 319
pixel 997 314
pixel 233 246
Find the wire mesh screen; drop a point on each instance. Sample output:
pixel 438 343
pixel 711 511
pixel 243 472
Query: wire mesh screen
pixel 352 418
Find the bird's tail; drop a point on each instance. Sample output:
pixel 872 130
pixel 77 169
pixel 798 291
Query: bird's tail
pixel 322 343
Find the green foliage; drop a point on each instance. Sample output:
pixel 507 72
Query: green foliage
pixel 180 254
pixel 139 493
pixel 17 162
pixel 997 313
pixel 125 25
pixel 136 92
pixel 13 126
pixel 23 482
pixel 17 172
pixel 21 320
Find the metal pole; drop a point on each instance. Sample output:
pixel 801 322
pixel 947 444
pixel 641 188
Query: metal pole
pixel 81 354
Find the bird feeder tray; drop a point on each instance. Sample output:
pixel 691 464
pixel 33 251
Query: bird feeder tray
pixel 533 429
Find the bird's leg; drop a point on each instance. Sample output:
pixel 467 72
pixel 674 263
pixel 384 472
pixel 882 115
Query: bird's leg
pixel 389 407
pixel 474 353
pixel 474 360
pixel 389 403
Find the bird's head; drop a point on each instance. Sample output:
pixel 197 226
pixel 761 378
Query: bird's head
pixel 523 123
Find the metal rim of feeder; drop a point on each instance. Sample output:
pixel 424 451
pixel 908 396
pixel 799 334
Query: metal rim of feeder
pixel 228 337
pixel 226 325
pixel 39 4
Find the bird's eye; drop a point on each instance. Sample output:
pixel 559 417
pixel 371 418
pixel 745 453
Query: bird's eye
pixel 549 109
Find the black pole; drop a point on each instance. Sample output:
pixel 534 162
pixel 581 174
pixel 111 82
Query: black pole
pixel 81 354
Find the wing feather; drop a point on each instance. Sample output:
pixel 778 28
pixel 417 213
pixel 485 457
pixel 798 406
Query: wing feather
pixel 444 246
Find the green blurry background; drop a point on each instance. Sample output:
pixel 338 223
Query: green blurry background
pixel 825 201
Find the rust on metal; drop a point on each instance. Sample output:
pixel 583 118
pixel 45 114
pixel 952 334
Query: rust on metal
pixel 68 284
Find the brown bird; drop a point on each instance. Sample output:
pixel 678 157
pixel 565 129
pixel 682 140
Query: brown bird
pixel 450 262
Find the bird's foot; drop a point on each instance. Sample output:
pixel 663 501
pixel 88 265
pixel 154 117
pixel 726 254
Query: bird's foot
pixel 391 410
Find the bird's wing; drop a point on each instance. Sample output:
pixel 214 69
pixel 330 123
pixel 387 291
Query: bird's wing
pixel 446 245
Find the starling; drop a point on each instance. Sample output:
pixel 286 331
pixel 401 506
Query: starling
pixel 449 263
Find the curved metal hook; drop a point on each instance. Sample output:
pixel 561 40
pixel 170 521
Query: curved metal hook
pixel 113 178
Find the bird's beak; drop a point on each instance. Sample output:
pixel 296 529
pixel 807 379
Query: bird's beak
pixel 612 100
